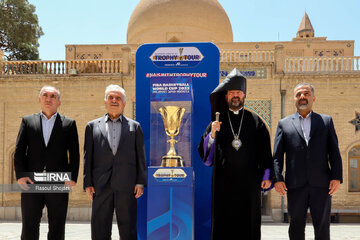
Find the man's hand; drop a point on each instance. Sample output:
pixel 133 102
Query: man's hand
pixel 138 191
pixel 281 188
pixel 265 184
pixel 23 182
pixel 334 186
pixel 215 127
pixel 90 191
pixel 71 183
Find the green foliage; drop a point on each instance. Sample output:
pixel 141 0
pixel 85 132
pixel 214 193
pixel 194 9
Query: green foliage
pixel 19 30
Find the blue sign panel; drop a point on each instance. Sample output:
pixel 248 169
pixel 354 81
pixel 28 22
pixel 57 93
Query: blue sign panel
pixel 200 63
pixel 171 199
pixel 171 89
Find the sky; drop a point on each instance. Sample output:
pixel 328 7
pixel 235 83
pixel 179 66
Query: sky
pixel 105 21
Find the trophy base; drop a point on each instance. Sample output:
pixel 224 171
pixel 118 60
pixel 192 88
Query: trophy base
pixel 172 161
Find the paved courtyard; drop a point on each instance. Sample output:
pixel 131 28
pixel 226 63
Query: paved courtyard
pixel 270 231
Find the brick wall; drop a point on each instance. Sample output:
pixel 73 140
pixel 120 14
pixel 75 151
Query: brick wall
pixel 82 99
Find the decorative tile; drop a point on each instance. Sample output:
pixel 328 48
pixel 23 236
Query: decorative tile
pixel 329 52
pixel 251 73
pixel 262 108
pixel 84 56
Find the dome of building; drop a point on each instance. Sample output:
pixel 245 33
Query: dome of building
pixel 179 21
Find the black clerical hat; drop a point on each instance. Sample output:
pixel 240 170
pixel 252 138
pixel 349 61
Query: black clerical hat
pixel 233 81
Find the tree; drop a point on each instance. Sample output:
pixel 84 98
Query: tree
pixel 19 30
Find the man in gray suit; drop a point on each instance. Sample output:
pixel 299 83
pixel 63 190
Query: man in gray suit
pixel 114 168
pixel 313 165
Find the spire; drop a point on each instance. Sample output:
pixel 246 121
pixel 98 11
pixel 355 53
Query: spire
pixel 305 30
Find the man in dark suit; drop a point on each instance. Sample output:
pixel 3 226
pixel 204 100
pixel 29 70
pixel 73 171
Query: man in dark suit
pixel 47 142
pixel 114 169
pixel 313 165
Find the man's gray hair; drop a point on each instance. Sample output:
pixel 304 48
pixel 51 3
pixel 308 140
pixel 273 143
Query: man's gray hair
pixel 305 84
pixel 117 88
pixel 56 90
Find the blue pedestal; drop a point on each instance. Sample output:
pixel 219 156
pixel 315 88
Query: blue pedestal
pixel 170 203
pixel 204 75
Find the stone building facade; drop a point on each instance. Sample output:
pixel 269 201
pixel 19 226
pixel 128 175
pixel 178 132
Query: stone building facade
pixel 272 70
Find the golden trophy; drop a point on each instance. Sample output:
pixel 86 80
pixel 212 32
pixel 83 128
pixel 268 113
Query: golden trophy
pixel 172 116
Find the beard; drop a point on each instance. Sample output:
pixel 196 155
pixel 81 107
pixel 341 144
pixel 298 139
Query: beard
pixel 302 104
pixel 235 103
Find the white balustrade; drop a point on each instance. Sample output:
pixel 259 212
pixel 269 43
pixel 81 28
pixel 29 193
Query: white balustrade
pixel 246 55
pixel 321 64
pixel 113 66
pixel 102 66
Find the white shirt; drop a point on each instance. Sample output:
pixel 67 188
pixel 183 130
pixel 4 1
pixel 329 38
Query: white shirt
pixel 47 126
pixel 305 124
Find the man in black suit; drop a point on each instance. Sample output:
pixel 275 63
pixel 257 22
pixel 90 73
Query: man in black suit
pixel 114 168
pixel 313 165
pixel 47 142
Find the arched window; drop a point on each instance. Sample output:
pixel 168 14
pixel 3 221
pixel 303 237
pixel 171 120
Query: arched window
pixel 354 169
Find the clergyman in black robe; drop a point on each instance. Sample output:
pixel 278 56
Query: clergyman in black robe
pixel 238 148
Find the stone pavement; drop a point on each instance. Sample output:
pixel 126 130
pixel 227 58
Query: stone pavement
pixel 270 231
pixel 338 231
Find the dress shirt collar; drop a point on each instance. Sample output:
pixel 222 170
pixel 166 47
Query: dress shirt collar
pixel 307 116
pixel 235 112
pixel 107 118
pixel 45 117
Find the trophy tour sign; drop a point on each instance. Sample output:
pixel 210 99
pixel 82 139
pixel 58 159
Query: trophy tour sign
pixel 176 57
pixel 173 84
pixel 170 175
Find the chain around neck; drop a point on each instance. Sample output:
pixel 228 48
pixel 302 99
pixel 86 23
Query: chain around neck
pixel 241 121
